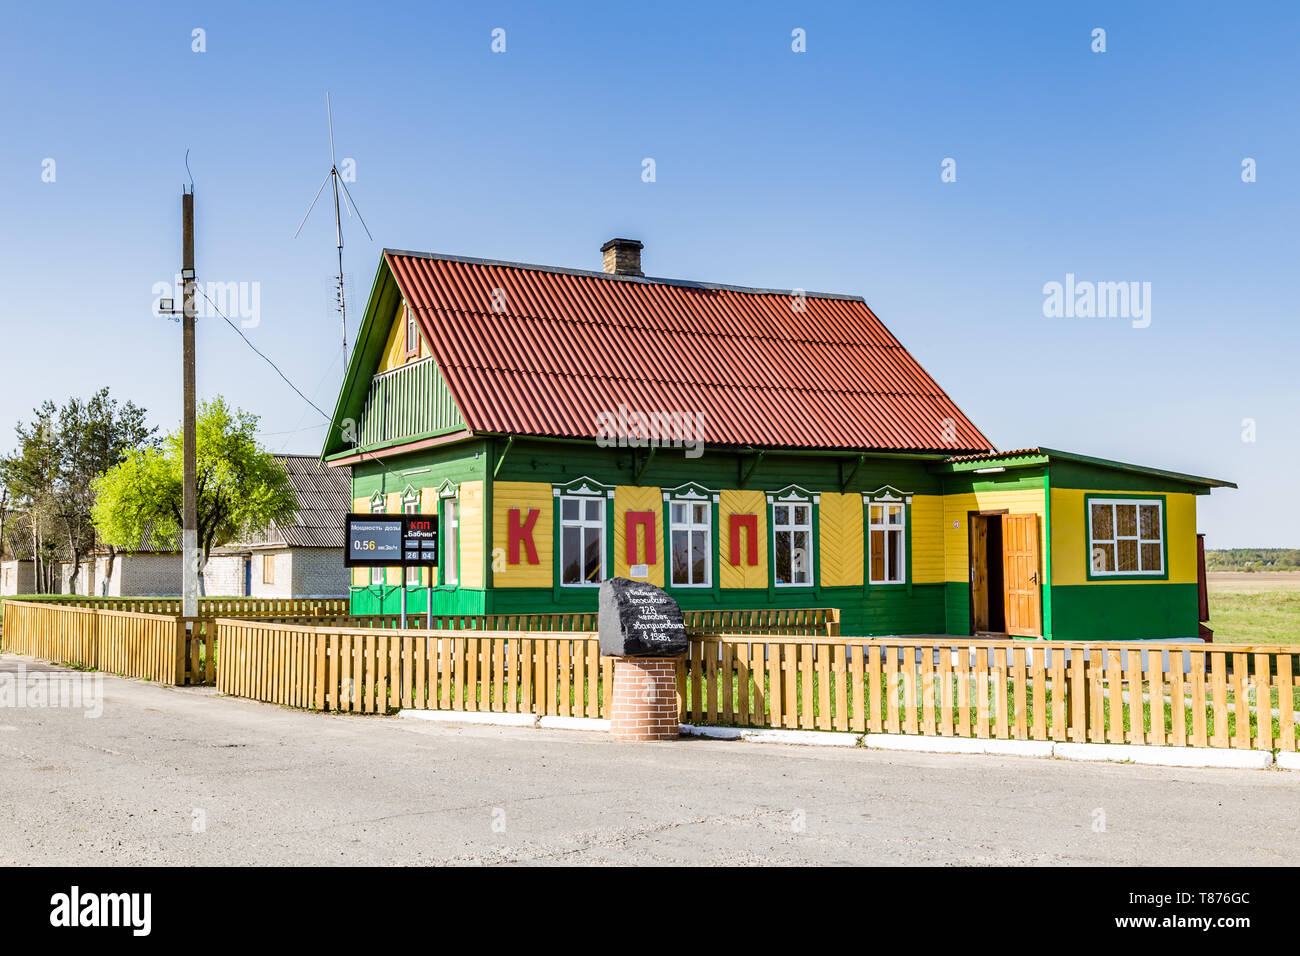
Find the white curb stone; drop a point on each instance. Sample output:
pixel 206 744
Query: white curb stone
pixel 1287 760
pixel 713 733
pixel 1167 756
pixel 471 717
pixel 807 737
pixel 958 745
pixel 573 723
pixel 1120 753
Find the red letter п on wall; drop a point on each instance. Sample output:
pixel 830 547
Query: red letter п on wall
pixel 750 524
pixel 646 520
pixel 517 534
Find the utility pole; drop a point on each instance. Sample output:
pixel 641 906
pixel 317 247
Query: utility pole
pixel 190 510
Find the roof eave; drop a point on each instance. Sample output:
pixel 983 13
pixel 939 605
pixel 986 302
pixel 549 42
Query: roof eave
pixel 1138 469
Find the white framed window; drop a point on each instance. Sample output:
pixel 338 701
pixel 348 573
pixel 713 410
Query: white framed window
pixel 582 540
pixel 412 333
pixel 1126 536
pixel 411 506
pixel 450 556
pixel 377 507
pixel 690 541
pixel 887 542
pixel 792 537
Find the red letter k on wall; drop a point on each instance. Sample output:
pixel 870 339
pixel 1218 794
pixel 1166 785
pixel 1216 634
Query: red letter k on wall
pixel 517 534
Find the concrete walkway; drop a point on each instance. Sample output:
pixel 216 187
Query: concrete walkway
pixel 182 776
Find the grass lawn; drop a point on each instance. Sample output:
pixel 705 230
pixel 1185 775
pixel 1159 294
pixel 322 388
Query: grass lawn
pixel 1255 608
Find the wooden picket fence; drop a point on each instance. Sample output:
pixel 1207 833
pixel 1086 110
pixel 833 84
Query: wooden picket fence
pixel 53 633
pixel 210 607
pixel 804 622
pixel 65 629
pixel 374 670
pixel 1157 693
pixel 148 646
pixel 1164 694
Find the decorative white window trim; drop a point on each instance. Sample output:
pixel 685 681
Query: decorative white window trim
pixel 886 502
pixel 583 487
pixel 793 494
pixel 791 497
pixel 448 489
pixel 583 493
pixel 886 494
pixel 377 503
pixel 453 538
pixel 691 491
pixel 692 496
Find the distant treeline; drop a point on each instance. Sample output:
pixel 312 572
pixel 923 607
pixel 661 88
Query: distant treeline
pixel 1253 559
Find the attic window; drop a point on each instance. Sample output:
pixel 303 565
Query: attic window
pixel 412 334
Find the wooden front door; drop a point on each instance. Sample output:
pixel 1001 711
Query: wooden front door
pixel 1020 582
pixel 979 574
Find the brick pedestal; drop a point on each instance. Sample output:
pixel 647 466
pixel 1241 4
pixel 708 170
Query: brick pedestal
pixel 645 699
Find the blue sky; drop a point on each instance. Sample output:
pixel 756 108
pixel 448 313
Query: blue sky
pixel 817 170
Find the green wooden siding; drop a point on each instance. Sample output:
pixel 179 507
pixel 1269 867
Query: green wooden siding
pixel 387 599
pixel 561 462
pixel 411 401
pixel 1120 612
pixel 1097 611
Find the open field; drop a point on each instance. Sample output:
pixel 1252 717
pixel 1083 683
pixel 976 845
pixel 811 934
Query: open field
pixel 1260 608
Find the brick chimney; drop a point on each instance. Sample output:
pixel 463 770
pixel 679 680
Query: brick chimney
pixel 623 257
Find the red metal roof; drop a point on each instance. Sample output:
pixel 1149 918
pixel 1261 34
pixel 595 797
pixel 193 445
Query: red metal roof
pixel 567 345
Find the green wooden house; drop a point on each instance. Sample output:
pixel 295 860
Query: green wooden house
pixel 739 447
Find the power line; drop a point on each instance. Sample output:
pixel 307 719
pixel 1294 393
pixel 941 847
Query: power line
pixel 328 419
pixel 294 431
pixel 265 359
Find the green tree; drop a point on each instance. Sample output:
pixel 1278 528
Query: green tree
pixel 242 489
pixel 47 483
pixel 32 474
pixel 93 436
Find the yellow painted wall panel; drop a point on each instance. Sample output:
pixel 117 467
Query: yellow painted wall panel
pixel 471 534
pixel 956 530
pixel 731 502
pixel 1070 547
pixel 395 348
pixel 926 516
pixel 634 498
pixel 523 495
pixel 841 533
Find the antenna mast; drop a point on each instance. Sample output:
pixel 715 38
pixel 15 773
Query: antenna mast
pixel 338 222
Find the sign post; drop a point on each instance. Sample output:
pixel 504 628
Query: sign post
pixel 393 541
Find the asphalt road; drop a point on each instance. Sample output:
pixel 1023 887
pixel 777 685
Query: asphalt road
pixel 183 776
